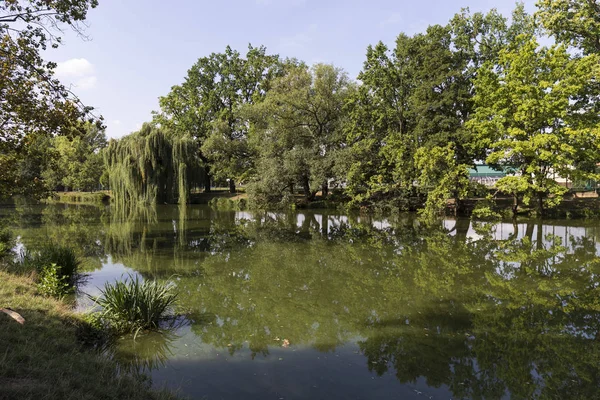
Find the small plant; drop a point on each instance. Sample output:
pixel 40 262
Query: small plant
pixel 133 305
pixel 52 283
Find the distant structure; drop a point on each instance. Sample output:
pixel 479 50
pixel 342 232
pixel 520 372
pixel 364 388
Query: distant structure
pixel 485 174
pixel 488 176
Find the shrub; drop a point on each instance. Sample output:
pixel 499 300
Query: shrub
pixel 52 283
pixel 65 259
pixel 133 305
pixel 56 267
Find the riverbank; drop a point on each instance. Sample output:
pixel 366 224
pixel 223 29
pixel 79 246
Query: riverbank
pixel 574 205
pixel 46 357
pixel 100 197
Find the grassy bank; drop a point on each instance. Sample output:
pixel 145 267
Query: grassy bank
pixel 101 197
pixel 45 357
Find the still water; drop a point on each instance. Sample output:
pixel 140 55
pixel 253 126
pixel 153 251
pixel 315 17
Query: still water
pixel 315 305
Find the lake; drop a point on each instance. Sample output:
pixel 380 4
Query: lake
pixel 322 305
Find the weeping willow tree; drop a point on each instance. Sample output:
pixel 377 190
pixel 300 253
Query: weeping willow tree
pixel 152 166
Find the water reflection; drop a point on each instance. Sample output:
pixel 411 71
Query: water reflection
pixel 317 305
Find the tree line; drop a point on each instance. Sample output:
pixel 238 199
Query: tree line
pixel 483 88
pixel 479 89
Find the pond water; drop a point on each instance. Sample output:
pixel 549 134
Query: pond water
pixel 326 306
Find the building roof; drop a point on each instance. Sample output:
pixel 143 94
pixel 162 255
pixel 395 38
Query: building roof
pixel 484 170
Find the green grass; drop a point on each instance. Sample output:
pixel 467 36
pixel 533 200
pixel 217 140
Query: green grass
pixel 45 358
pixel 133 305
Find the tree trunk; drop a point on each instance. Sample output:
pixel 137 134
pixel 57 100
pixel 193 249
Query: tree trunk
pixel 324 190
pixel 541 204
pixel 306 187
pixel 206 180
pixel 515 206
pixel 529 231
pixel 292 188
pixel 325 225
pixel 232 186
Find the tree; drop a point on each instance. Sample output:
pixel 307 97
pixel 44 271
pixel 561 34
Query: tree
pixel 377 111
pixel 572 22
pixel 531 116
pixel 33 103
pixel 298 131
pixel 76 162
pixel 414 102
pixel 206 106
pixel 151 166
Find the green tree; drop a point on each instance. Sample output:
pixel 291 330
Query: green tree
pixel 33 103
pixel 573 22
pixel 533 119
pixel 153 165
pixel 206 106
pixel 76 162
pixel 298 131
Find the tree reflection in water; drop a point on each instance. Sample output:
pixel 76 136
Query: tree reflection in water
pixel 485 314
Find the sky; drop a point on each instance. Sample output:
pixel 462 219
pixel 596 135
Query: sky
pixel 138 49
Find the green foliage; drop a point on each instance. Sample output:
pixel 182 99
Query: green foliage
pixel 485 210
pixel 441 178
pixel 76 163
pixel 574 22
pixel 51 281
pixel 6 243
pixel 529 121
pixel 298 132
pixel 54 261
pixel 208 105
pixel 132 305
pixel 415 98
pixel 34 105
pixel 223 203
pixel 96 198
pixel 152 166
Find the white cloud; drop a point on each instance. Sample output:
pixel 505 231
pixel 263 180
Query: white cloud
pixel 116 122
pixel 77 72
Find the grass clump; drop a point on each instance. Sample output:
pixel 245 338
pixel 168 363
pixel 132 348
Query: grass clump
pixel 133 305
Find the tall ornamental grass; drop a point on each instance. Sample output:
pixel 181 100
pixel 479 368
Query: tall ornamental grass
pixel 133 305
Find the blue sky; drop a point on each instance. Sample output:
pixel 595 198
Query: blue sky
pixel 140 48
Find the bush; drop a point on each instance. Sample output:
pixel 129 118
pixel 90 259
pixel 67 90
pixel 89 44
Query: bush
pixel 65 259
pixel 56 266
pixel 133 305
pixel 52 283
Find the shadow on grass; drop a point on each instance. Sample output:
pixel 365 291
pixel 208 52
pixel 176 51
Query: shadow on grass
pixel 45 357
